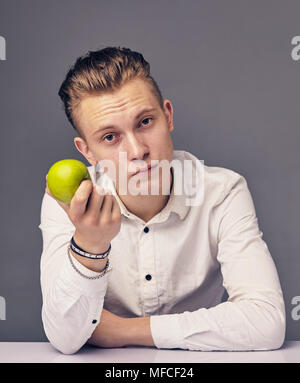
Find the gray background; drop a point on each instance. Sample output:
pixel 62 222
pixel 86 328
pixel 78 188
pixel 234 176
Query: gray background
pixel 225 65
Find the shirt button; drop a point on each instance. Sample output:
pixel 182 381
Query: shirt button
pixel 148 277
pixel 146 229
pixel 94 321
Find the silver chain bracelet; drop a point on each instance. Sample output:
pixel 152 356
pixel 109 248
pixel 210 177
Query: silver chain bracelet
pixel 103 272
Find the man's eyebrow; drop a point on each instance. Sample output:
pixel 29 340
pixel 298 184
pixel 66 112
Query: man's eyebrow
pixel 143 111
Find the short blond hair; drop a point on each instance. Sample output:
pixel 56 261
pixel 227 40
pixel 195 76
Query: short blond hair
pixel 101 71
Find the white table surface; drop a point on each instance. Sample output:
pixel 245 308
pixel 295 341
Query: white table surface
pixel 44 352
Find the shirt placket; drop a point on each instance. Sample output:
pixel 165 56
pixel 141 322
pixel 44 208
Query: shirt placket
pixel 147 270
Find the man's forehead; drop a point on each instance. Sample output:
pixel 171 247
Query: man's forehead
pixel 130 93
pixel 95 110
pixel 101 107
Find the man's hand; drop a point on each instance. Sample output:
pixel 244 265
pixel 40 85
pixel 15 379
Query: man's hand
pixel 114 331
pixel 96 216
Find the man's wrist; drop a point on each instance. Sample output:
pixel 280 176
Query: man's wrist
pixel 137 332
pixel 97 265
pixel 89 247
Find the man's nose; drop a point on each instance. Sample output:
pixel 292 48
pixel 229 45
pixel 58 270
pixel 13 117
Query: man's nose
pixel 136 149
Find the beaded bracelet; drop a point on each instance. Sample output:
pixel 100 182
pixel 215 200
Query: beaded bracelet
pixel 103 272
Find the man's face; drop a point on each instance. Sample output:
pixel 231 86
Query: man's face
pixel 129 120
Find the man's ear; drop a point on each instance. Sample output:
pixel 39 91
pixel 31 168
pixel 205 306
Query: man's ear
pixel 168 110
pixel 83 148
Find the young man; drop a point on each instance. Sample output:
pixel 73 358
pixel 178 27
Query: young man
pixel 167 262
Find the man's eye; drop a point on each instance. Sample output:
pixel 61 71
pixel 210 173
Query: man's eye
pixel 109 137
pixel 147 119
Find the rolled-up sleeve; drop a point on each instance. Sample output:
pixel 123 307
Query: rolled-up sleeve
pixel 72 304
pixel 253 317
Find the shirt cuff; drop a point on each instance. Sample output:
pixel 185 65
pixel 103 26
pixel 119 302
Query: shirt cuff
pixel 73 283
pixel 166 331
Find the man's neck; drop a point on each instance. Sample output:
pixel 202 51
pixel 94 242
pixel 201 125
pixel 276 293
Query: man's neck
pixel 146 206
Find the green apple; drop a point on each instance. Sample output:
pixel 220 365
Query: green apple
pixel 64 178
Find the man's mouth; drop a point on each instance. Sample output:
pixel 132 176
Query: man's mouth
pixel 145 170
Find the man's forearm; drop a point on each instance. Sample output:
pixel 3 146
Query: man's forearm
pixel 137 332
pixel 115 331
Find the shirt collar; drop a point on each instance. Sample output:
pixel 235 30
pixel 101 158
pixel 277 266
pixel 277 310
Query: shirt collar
pixel 176 203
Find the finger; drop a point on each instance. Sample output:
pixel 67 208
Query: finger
pixel 48 191
pixel 95 203
pixel 115 209
pixel 80 199
pixel 46 188
pixel 107 204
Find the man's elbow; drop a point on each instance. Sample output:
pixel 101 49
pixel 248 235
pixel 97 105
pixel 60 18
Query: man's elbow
pixel 65 346
pixel 272 332
pixel 278 338
pixel 67 350
pixel 64 342
pixel 63 338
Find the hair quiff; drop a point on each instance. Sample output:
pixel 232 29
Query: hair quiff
pixel 103 70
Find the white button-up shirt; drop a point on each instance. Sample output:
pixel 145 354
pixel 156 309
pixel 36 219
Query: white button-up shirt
pixel 176 272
